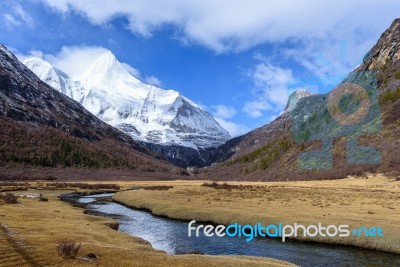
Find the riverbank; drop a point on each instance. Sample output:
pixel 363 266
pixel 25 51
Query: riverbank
pixel 32 229
pixel 359 202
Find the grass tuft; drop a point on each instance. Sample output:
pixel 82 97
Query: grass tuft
pixel 42 198
pixel 68 249
pixel 157 187
pixel 10 198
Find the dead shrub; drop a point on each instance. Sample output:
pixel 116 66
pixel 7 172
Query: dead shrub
pixel 42 198
pixel 10 198
pixel 68 249
pixel 86 186
pixel 157 187
pixel 226 186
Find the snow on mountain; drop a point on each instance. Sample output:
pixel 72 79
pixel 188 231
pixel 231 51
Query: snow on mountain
pixel 54 77
pixel 147 113
pixel 294 98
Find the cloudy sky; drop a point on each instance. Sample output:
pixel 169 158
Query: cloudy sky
pixel 238 59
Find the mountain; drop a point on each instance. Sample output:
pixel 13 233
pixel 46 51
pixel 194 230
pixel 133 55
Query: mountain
pixel 294 98
pixel 163 120
pixel 43 128
pixel 309 141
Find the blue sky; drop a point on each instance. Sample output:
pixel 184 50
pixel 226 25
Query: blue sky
pixel 238 59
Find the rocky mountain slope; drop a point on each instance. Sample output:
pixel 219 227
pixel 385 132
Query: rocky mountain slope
pixel 163 120
pixel 43 128
pixel 274 151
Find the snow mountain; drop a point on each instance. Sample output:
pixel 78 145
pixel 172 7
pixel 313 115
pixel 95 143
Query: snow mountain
pixel 146 112
pixel 42 128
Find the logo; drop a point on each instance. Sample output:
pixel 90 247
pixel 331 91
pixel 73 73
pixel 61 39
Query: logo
pixel 350 110
pixel 280 230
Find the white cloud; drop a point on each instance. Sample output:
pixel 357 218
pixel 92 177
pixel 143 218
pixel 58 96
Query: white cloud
pixel 18 17
pixel 132 70
pixel 222 114
pixel 271 87
pixel 32 53
pixel 255 108
pixel 152 80
pixel 328 60
pixel 36 53
pixel 75 59
pixel 233 25
pixel 272 81
pixel 234 129
pixel 183 41
pixel 223 111
pixel 24 16
pixel 10 21
pixel 71 59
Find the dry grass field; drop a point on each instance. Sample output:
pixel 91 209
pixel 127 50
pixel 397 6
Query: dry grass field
pixel 31 230
pixel 365 201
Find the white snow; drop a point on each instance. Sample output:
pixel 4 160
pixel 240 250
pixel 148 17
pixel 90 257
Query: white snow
pixel 109 90
pixel 295 97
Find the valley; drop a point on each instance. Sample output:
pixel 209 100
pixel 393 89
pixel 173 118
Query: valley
pixel 357 201
pixel 37 227
pixel 105 167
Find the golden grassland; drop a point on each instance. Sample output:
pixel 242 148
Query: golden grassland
pixel 365 201
pixel 31 230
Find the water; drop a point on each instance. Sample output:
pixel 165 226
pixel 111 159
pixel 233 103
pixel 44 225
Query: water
pixel 172 237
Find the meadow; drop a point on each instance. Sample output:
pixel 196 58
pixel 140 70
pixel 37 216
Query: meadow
pixel 34 230
pixel 369 201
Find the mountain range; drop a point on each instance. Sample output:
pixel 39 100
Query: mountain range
pixel 163 120
pixel 106 119
pixel 43 128
pixel 271 152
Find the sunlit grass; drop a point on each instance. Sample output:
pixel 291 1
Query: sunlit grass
pixel 41 226
pixel 354 201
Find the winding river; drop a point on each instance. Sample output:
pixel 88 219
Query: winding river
pixel 171 236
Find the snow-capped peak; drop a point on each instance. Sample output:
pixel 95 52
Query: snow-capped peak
pixel 107 73
pixel 52 76
pixel 37 62
pixel 106 64
pixel 146 112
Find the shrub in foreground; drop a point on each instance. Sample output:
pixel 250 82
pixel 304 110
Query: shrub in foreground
pixel 68 249
pixel 226 186
pixel 157 187
pixel 10 198
pixel 42 198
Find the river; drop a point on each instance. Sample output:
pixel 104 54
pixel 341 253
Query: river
pixel 172 236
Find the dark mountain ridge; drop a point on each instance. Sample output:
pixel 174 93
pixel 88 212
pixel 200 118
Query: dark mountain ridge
pixel 42 128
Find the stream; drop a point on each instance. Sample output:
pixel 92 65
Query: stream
pixel 172 236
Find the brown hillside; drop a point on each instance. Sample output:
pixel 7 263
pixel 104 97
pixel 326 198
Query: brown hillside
pixel 42 128
pixel 271 153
